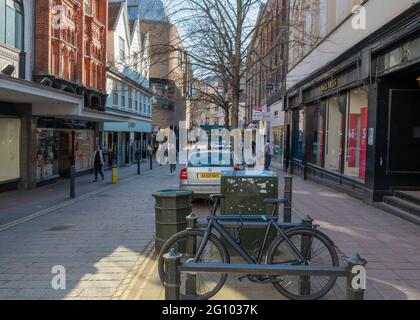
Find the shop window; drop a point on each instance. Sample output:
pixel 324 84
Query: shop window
pixel 47 163
pixel 10 149
pixel 356 134
pixel 315 126
pixel 298 134
pixel 84 149
pixel 334 133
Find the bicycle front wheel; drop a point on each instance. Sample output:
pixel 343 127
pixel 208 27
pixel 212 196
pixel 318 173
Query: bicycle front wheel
pixel 317 249
pixel 196 286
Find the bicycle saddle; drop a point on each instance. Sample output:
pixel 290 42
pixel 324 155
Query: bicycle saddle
pixel 274 201
pixel 216 196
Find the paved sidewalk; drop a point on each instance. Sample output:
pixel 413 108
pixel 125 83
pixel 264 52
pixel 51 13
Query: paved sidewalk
pixel 20 204
pixel 389 243
pixel 100 240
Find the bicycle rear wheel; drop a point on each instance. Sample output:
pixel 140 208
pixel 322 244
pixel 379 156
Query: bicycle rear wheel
pixel 318 250
pixel 196 286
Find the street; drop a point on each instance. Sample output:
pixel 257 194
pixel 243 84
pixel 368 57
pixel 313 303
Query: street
pixel 104 240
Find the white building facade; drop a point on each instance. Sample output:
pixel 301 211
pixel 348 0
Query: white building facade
pixel 128 89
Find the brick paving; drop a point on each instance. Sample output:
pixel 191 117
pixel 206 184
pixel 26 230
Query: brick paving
pixel 100 240
pixel 104 241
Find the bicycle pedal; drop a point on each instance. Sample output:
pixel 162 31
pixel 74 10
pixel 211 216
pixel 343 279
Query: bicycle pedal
pixel 242 278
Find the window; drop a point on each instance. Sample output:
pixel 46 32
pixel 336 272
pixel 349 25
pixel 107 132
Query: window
pixel 356 134
pixel 334 133
pixel 315 123
pixel 10 146
pixel 123 88
pixel 130 99
pixel 87 7
pixel 47 146
pixel 298 134
pixel 342 10
pixel 115 93
pixel 11 23
pixel 122 49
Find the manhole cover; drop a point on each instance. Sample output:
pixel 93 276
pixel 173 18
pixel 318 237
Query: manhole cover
pixel 59 228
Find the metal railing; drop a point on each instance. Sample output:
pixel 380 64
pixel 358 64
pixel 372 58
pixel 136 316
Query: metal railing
pixel 174 267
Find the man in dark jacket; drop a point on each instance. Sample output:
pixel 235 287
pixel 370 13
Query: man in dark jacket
pixel 98 163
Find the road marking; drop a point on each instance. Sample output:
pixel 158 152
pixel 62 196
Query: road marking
pixel 63 204
pixel 146 280
pixel 136 278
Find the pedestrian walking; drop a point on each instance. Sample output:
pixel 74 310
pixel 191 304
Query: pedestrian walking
pixel 268 154
pixel 98 163
pixel 172 155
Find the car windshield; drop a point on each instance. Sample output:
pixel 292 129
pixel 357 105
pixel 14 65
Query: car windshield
pixel 210 159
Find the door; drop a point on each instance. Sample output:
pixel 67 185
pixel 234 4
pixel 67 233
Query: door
pixel 404 132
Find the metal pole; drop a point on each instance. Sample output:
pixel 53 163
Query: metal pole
pixel 305 249
pixel 138 158
pixel 355 280
pixel 191 278
pixel 172 259
pixel 151 159
pixel 287 213
pixel 73 167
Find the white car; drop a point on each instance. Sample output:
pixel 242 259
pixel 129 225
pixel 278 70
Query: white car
pixel 202 175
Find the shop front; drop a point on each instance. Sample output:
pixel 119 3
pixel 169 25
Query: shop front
pixel 54 147
pixel 10 140
pixel 122 142
pixel 277 133
pixel 329 121
pixel 397 69
pixel 355 124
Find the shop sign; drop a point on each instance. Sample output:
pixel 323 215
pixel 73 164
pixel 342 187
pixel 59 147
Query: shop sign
pixel 329 85
pixel 260 114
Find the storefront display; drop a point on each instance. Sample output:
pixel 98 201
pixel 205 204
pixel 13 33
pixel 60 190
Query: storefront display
pixel 333 135
pixel 278 144
pixel 10 149
pixel 299 118
pixel 47 141
pixel 84 149
pixel 356 136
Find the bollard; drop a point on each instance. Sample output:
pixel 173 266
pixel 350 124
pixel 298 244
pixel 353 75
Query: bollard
pixel 287 213
pixel 151 160
pixel 72 182
pixel 356 280
pixel 114 174
pixel 305 249
pixel 191 278
pixel 138 163
pixel 172 259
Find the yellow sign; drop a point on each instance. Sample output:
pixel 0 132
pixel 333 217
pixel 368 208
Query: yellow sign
pixel 329 85
pixel 209 175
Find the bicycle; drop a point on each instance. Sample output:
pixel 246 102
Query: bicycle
pixel 295 244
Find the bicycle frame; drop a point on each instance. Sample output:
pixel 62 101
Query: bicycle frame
pixel 214 224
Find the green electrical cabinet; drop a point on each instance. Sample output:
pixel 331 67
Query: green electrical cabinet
pixel 244 193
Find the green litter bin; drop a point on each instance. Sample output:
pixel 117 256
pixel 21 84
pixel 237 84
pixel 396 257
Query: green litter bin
pixel 171 209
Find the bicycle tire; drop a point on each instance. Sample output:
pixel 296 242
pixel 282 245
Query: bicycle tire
pixel 214 240
pixel 329 246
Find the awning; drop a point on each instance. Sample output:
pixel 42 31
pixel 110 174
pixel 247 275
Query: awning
pixel 51 102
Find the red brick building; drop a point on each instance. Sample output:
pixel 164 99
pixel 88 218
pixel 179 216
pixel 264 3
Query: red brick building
pixel 70 47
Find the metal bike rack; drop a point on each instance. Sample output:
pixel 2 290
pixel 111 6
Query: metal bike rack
pixel 174 267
